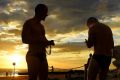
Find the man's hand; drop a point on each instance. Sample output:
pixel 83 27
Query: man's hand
pixel 51 42
pixel 86 41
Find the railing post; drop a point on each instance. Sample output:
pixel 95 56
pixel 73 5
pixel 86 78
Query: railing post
pixel 85 72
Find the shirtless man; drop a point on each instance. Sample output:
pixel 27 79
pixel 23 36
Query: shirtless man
pixel 101 38
pixel 33 34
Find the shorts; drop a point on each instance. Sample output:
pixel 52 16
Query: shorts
pixel 102 60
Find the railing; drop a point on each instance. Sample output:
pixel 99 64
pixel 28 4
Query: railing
pixel 71 69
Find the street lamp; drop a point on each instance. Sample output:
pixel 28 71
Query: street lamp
pixel 14 68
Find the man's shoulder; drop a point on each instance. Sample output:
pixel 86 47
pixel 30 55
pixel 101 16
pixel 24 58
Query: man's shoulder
pixel 29 20
pixel 97 27
pixel 102 26
pixel 106 26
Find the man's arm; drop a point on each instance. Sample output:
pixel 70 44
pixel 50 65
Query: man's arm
pixel 112 42
pixel 91 38
pixel 29 38
pixel 25 33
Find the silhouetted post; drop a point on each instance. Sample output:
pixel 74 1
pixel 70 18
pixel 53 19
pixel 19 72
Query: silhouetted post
pixel 6 74
pixel 52 69
pixel 85 72
pixel 14 68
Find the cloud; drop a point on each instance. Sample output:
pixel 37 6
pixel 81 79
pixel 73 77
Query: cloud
pixel 70 47
pixel 114 6
pixel 102 7
pixel 3 3
pixel 14 10
pixel 7 46
pixel 70 15
pixel 116 35
pixel 66 21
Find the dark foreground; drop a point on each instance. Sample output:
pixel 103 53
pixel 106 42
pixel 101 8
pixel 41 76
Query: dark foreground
pixel 60 76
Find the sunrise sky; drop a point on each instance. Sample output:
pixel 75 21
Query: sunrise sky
pixel 66 24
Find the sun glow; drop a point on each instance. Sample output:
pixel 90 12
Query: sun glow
pixel 17 58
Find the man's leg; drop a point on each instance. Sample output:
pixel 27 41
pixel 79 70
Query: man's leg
pixel 92 70
pixel 32 63
pixel 104 67
pixel 103 74
pixel 43 70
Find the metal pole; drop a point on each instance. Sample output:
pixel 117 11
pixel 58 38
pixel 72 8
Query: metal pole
pixel 14 69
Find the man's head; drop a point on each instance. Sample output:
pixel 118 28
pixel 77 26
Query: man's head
pixel 91 21
pixel 90 55
pixel 41 11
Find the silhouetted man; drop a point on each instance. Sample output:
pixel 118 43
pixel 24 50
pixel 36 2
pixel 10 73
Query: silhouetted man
pixel 88 62
pixel 33 34
pixel 101 38
pixel 86 66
